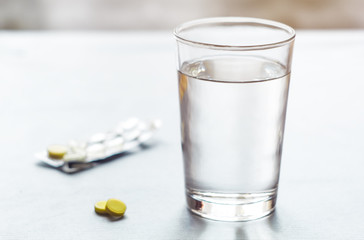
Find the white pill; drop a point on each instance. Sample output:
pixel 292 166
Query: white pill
pixel 131 135
pixel 79 156
pixel 130 145
pixel 76 145
pixel 119 141
pixel 145 136
pixel 95 151
pixel 142 126
pixel 114 146
pixel 130 124
pixel 97 138
pixel 156 124
pixel 110 135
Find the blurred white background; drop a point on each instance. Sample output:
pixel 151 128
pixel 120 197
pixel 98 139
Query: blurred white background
pixel 165 14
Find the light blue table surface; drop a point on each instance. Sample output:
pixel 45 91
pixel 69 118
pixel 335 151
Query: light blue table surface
pixel 57 86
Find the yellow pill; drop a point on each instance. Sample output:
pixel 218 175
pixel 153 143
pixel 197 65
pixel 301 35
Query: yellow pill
pixel 115 207
pixel 57 151
pixel 100 207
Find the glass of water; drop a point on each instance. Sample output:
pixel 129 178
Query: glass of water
pixel 234 76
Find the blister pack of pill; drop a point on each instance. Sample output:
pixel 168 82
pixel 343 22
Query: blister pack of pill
pixel 127 136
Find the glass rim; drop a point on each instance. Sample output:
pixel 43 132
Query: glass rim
pixel 246 20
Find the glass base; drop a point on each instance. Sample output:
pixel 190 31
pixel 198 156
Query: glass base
pixel 231 207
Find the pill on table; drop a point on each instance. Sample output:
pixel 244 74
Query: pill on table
pixel 100 207
pixel 115 207
pixel 156 124
pixel 57 151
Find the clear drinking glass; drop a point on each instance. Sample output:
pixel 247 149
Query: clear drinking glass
pixel 234 76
